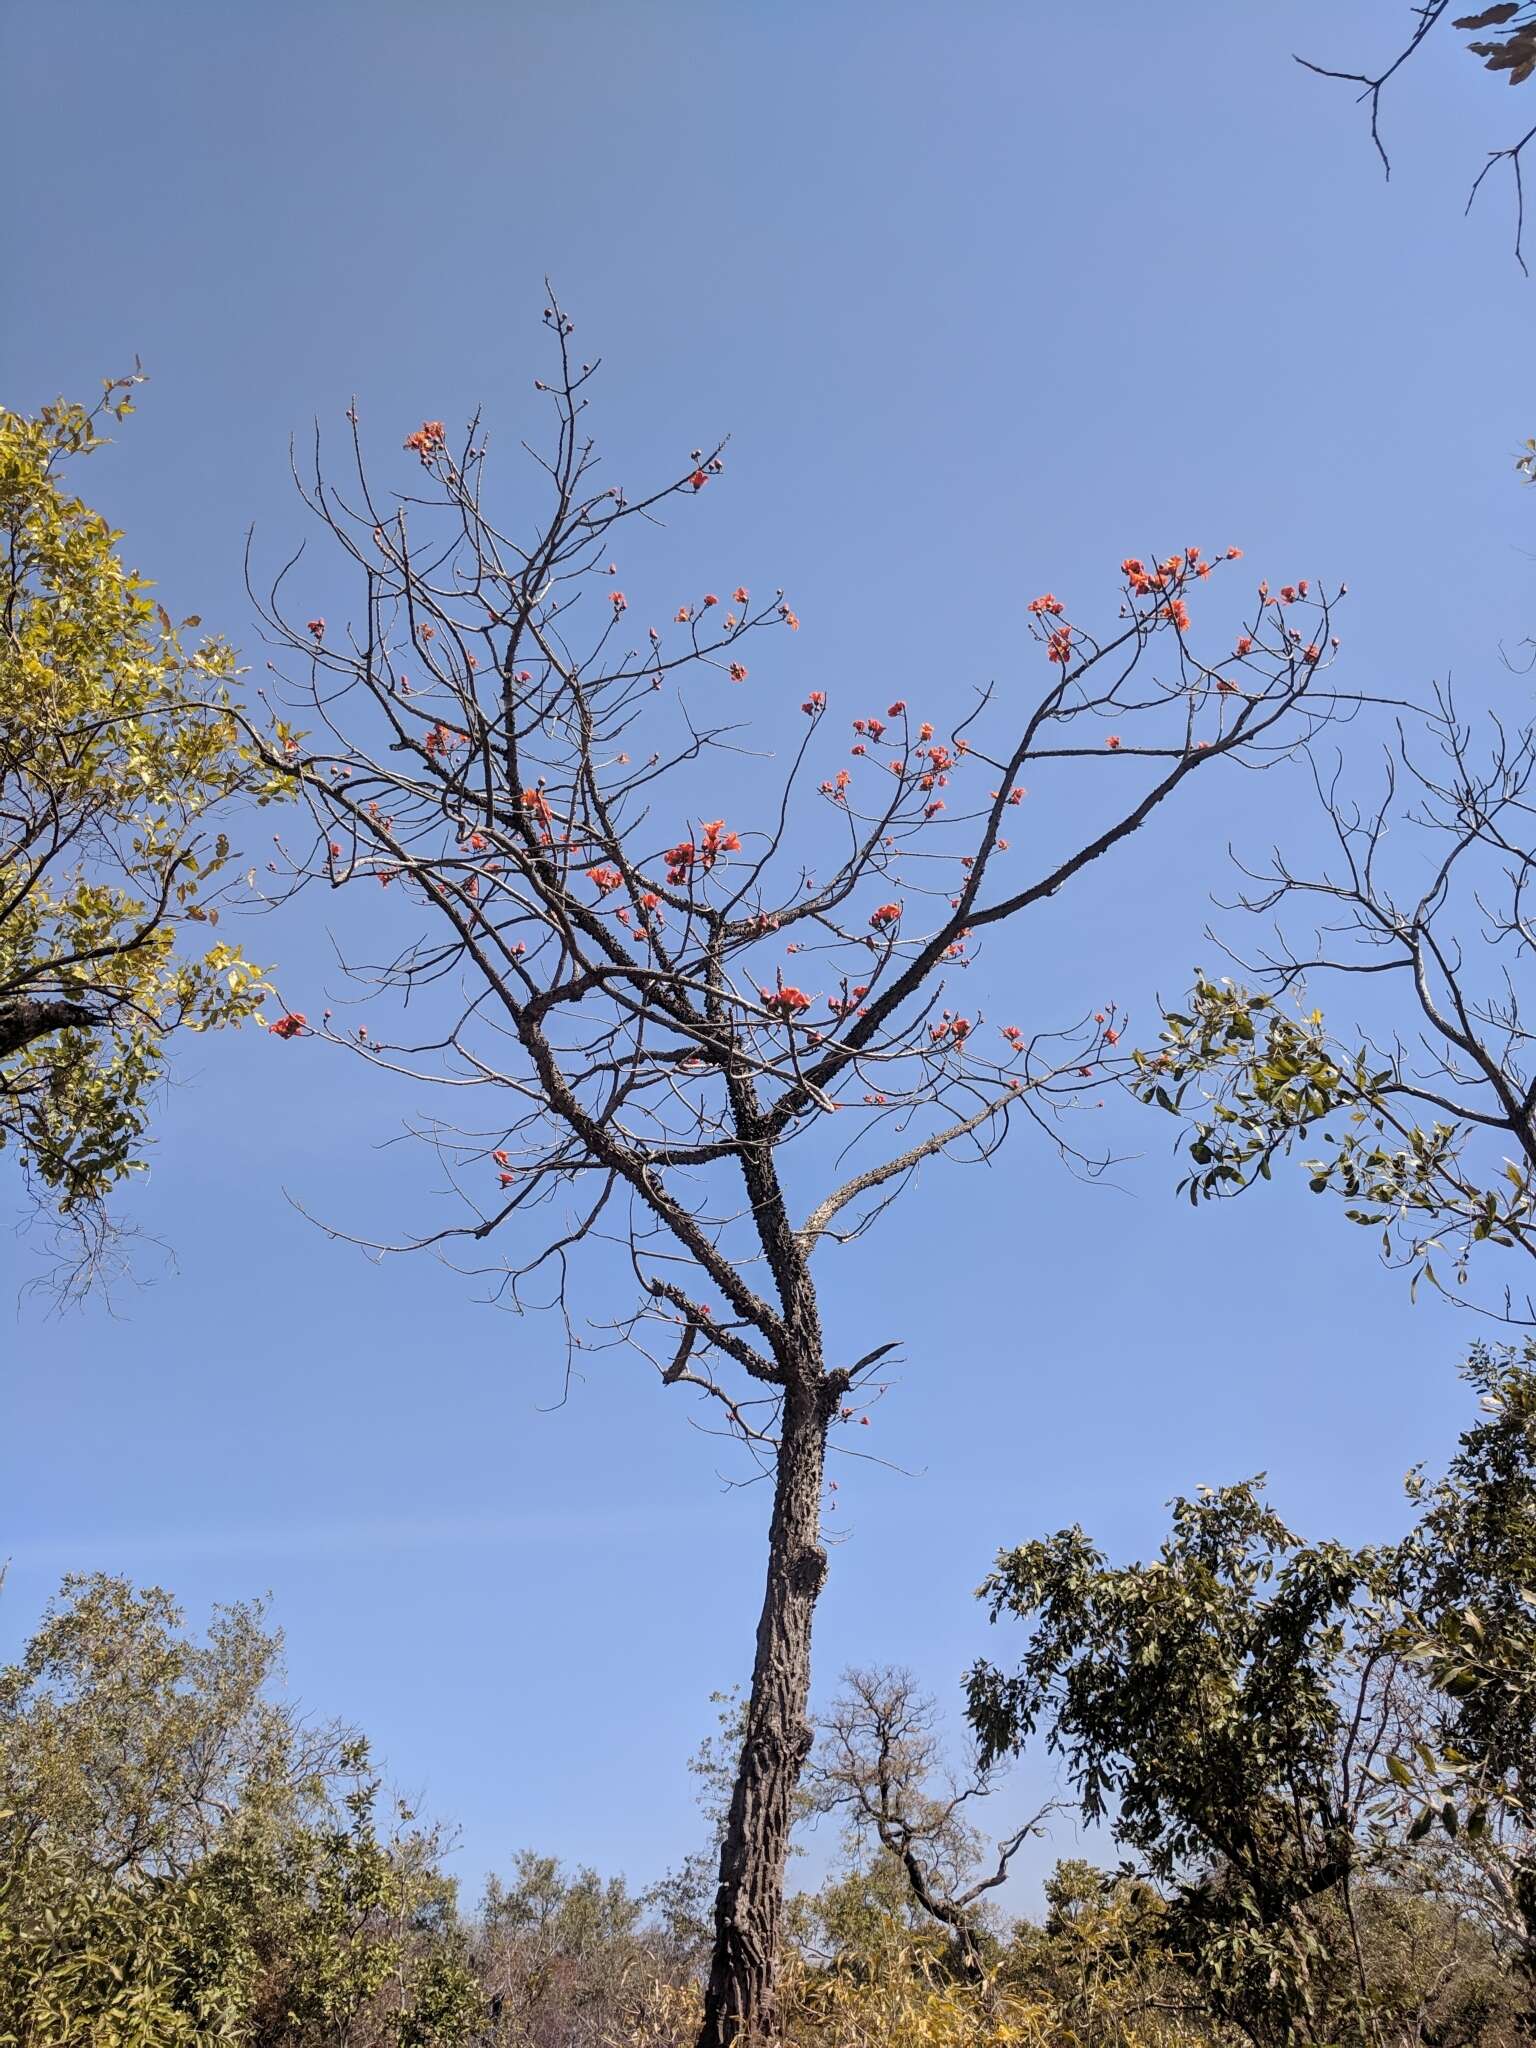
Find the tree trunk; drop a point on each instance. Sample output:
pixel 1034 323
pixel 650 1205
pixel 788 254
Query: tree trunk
pixel 739 2001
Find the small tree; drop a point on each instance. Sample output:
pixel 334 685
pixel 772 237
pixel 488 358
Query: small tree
pixel 640 1009
pixel 1230 1706
pixel 184 1861
pixel 118 751
pixel 879 1763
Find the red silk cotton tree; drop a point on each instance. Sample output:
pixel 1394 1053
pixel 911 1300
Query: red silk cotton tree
pixel 639 1006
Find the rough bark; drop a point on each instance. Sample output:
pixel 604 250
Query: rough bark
pixel 35 1017
pixel 739 2001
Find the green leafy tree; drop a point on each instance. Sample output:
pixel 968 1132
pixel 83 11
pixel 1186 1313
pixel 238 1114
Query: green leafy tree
pixel 1473 1628
pixel 184 1861
pixel 118 756
pixel 1221 1706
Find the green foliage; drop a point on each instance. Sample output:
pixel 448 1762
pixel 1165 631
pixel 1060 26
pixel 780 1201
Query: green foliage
pixel 1199 1701
pixel 182 1861
pixel 118 752
pixel 1255 1083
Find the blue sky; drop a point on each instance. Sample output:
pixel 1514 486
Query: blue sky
pixel 987 299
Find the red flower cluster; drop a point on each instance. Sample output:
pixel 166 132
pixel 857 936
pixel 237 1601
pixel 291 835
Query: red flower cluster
pixel 291 1026
pixel 787 1002
pixel 737 672
pixel 1048 603
pixel 1164 575
pixel 790 618
pixel 815 703
pixel 717 840
pixel 428 438
pixel 1059 647
pixel 603 879
pixel 887 914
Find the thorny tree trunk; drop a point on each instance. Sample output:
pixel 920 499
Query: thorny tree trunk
pixel 749 1904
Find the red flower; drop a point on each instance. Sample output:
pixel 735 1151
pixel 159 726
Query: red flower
pixel 717 841
pixel 317 627
pixel 1059 647
pixel 427 439
pixel 815 703
pixel 895 710
pixel 741 593
pixel 290 1026
pixel 1245 645
pixel 1234 554
pixel 1113 740
pixel 603 879
pixel 618 600
pixel 684 614
pixel 790 618
pixel 501 1158
pixel 887 914
pixel 1048 603
pixel 711 599
pixel 698 480
pixel 737 672
pixel 788 1002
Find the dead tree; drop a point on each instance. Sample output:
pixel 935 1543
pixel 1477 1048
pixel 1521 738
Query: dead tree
pixel 639 1002
pixel 879 1763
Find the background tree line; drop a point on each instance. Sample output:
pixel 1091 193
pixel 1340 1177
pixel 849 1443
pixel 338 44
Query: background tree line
pixel 1316 1765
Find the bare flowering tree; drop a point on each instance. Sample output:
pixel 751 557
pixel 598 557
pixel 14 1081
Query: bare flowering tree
pixel 634 1003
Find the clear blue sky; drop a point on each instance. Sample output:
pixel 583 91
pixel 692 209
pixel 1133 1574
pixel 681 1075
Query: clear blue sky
pixel 988 297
